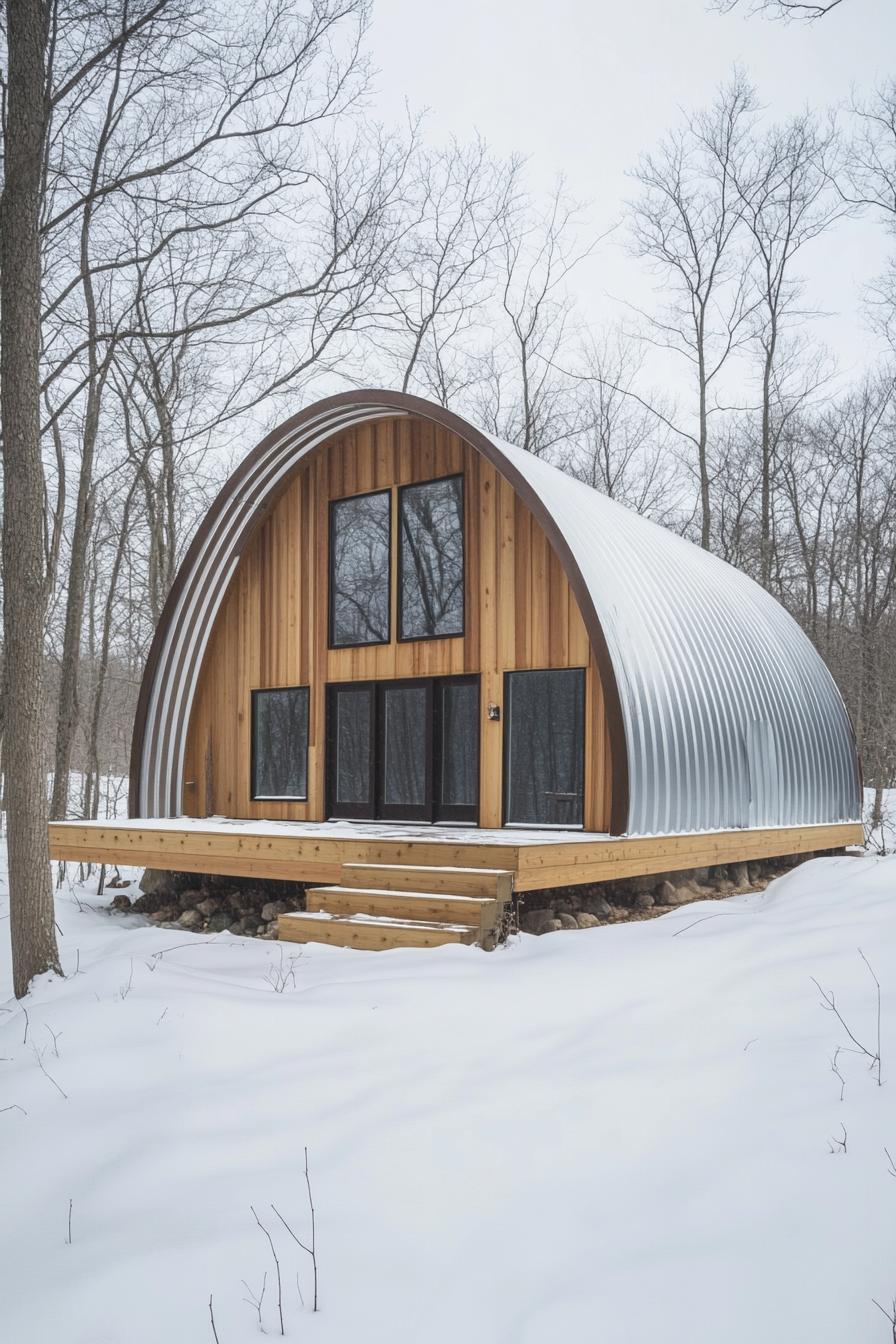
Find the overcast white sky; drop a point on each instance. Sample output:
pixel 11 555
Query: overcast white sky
pixel 581 87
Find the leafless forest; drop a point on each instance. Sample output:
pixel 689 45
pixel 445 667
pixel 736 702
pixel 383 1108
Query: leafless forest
pixel 222 233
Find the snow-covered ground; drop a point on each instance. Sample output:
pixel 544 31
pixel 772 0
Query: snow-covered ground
pixel 623 1135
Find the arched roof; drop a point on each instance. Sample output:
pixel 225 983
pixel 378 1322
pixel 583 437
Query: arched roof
pixel 721 712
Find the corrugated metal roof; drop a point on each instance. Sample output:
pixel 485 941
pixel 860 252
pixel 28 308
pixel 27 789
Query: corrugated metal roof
pixel 730 716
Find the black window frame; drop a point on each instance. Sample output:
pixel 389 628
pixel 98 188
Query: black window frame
pixel 421 812
pixel 366 812
pixel 437 812
pixel 254 796
pixel 331 574
pixel 401 637
pixel 505 753
pixel 461 814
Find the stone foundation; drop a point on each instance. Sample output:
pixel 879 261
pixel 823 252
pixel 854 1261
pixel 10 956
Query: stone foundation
pixel 250 907
pixel 205 904
pixel 585 907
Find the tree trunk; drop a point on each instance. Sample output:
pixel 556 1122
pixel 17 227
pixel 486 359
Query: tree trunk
pixel 24 562
pixel 765 519
pixel 702 442
pixel 877 808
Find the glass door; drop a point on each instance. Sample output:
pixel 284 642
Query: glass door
pixel 456 744
pixel 350 751
pixel 404 750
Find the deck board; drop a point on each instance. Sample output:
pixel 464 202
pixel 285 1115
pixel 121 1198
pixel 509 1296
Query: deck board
pixel 315 852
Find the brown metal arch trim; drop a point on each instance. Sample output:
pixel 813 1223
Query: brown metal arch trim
pixel 379 401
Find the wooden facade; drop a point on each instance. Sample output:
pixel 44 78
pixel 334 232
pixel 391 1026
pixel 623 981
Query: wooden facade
pixel 272 629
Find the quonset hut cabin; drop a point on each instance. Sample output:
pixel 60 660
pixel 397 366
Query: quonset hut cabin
pixel 424 668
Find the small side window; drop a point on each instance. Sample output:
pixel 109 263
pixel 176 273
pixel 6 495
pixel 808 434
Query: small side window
pixel 280 743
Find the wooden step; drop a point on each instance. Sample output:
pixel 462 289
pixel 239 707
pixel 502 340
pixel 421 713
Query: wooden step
pixel 371 935
pixel 475 912
pixel 496 883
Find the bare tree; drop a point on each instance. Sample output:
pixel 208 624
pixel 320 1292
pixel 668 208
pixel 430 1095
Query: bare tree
pixel 463 205
pixel 522 392
pixel 785 200
pixel 779 9
pixel 867 180
pixel 685 224
pixel 622 441
pixel 160 229
pixel 24 557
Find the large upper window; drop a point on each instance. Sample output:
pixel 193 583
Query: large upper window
pixel 545 747
pixel 431 559
pixel 280 743
pixel 360 540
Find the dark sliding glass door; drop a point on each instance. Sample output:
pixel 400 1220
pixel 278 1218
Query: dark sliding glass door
pixel 404 750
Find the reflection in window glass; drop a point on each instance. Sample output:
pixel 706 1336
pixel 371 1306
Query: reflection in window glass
pixel 432 559
pixel 545 747
pixel 359 569
pixel 280 743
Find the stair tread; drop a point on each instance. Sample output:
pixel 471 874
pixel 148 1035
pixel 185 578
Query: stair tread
pixel 382 921
pixel 403 895
pixel 426 868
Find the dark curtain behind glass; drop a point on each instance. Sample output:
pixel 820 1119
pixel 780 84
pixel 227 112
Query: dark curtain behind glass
pixel 460 744
pixel 353 747
pixel 546 721
pixel 280 743
pixel 404 712
pixel 359 579
pixel 432 559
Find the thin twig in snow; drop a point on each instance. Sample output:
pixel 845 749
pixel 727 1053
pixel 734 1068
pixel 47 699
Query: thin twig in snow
pixel 312 1249
pixel 124 990
pixel 256 1302
pixel 877 984
pixel 838 1145
pixel 25 1037
pixel 55 1035
pixel 68 1239
pixel 38 1055
pixel 829 1003
pixel 276 1265
pixel 13 1107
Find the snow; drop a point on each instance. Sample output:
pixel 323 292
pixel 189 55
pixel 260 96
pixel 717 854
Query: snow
pixel 352 830
pixel 620 1135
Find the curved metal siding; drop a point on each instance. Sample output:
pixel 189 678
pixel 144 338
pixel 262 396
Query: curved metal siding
pixel 731 718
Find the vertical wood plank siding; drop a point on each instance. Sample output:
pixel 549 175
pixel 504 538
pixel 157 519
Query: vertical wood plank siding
pixel 272 627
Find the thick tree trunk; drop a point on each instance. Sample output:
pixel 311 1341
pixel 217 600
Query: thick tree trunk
pixel 68 713
pixel 24 561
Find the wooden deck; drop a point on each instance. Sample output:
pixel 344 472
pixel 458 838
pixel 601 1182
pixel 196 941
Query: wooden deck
pixel 316 851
